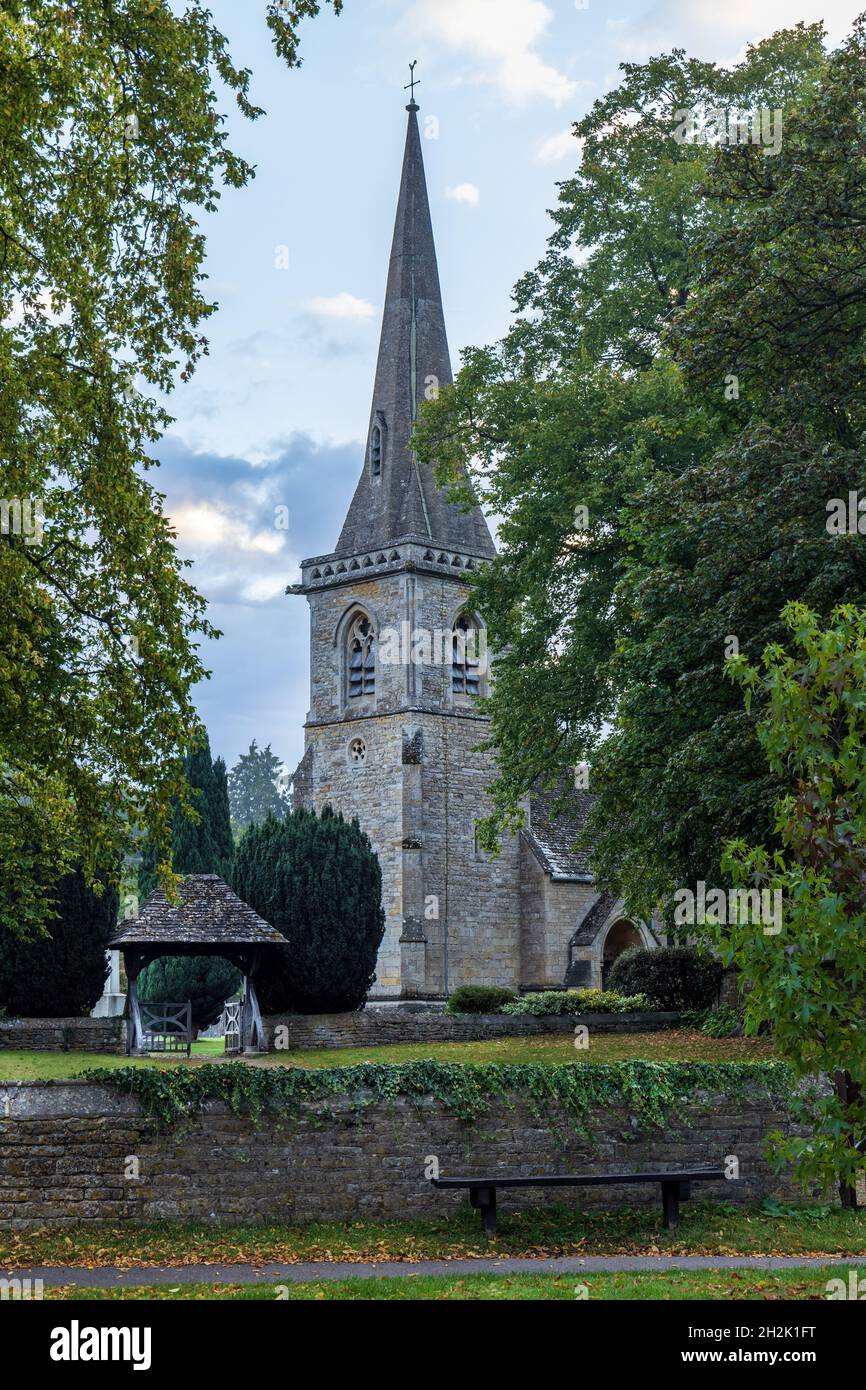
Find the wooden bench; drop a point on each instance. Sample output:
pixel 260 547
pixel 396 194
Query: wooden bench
pixel 676 1188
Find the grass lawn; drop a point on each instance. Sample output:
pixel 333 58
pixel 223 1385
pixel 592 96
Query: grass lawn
pixel 678 1284
pixel 706 1228
pixel 669 1046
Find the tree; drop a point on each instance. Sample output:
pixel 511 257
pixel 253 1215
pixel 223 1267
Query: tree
pixel 201 844
pixel 112 145
pixel 807 972
pixel 253 790
pixel 777 311
pixel 650 513
pixel 63 972
pixel 317 880
pixel 201 841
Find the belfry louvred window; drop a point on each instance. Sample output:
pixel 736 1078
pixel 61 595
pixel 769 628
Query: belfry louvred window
pixel 376 452
pixel 362 658
pixel 465 658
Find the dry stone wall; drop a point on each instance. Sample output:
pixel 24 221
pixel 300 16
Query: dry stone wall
pixel 65 1150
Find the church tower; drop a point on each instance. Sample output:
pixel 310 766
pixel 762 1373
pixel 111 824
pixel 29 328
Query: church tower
pixel 398 661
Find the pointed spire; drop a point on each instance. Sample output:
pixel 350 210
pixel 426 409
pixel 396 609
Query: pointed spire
pixel 396 496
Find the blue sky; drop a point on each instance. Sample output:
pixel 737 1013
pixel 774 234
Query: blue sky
pixel 275 416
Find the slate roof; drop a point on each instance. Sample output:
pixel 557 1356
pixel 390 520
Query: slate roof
pixel 593 921
pixel 405 503
pixel 552 836
pixel 207 913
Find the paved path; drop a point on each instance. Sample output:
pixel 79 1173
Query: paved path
pixel 110 1277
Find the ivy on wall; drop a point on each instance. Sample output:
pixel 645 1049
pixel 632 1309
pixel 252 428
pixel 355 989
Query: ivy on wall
pixel 651 1091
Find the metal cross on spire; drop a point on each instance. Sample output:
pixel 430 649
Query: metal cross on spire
pixel 413 82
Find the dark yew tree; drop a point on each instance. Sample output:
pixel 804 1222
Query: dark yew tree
pixel 201 844
pixel 63 972
pixel 318 881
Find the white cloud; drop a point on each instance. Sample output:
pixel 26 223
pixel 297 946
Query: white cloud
pixel 720 33
pixel 203 525
pixel 503 34
pixel 464 193
pixel 557 147
pixel 341 306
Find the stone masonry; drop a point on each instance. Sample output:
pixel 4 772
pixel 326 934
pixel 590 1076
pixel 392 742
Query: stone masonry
pixel 65 1147
pixel 387 1027
pixel 63 1034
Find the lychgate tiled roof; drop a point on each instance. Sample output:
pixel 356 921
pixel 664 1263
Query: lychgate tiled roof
pixel 552 836
pixel 207 913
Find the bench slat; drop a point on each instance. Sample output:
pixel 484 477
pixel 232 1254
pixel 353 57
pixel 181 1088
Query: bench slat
pixel 585 1179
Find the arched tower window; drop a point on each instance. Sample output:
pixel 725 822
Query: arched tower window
pixel 376 451
pixel 466 657
pixel 361 654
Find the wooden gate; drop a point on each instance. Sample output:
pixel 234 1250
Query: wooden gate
pixel 232 1021
pixel 166 1027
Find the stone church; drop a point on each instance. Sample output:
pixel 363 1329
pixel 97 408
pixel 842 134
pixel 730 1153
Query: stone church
pixel 397 661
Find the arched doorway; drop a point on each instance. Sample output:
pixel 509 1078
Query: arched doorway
pixel 621 937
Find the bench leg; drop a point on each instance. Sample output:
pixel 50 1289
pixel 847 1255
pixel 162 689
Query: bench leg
pixel 671 1205
pixel 484 1198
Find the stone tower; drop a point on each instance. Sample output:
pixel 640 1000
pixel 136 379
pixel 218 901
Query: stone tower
pixel 397 662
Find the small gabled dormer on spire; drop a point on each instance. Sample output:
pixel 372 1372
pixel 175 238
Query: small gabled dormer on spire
pixel 397 497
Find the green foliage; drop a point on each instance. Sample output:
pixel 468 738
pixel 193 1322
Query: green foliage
pixel 651 1091
pixel 609 395
pixel 576 1001
pixel 723 1022
pixel 206 982
pixel 201 837
pixel 479 999
pixel 113 150
pixel 201 843
pixel 253 789
pixel 673 977
pixel 808 976
pixel 317 880
pixel 61 973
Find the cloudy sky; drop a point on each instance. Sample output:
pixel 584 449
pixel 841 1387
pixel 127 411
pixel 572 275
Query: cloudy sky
pixel 274 418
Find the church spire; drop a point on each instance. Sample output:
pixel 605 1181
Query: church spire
pixel 396 497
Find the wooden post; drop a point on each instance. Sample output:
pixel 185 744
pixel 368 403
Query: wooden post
pixel 134 1030
pixel 671 1204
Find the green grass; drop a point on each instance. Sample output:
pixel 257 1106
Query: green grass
pixel 669 1046
pixel 705 1229
pixel 675 1285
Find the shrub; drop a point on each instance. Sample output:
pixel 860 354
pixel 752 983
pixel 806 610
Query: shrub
pixel 480 999
pixel 553 1002
pixel 723 1022
pixel 317 880
pixel 607 1001
pixel 673 977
